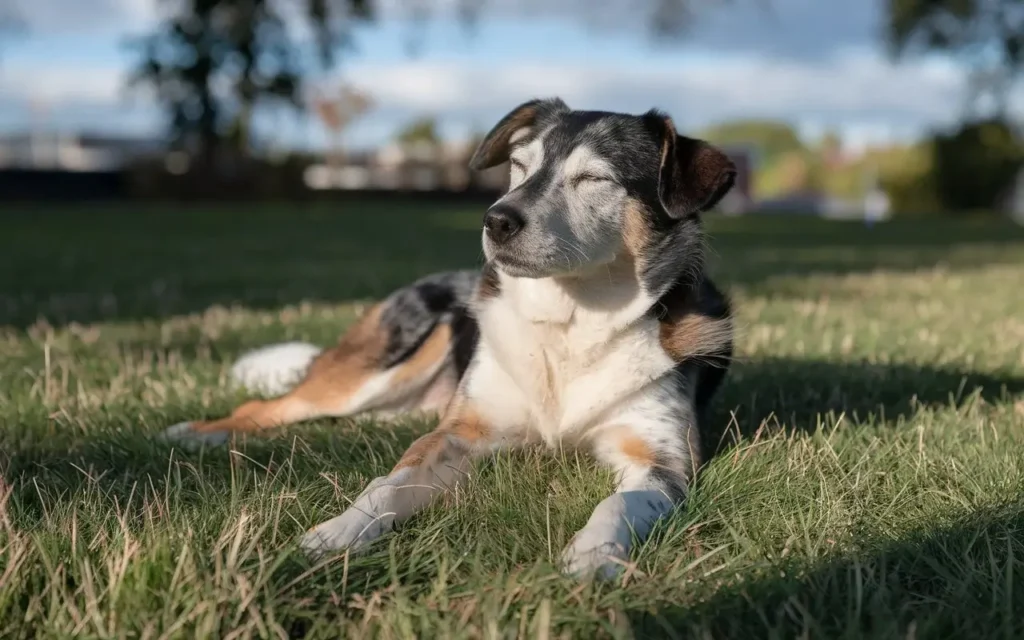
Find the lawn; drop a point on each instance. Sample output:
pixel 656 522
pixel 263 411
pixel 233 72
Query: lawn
pixel 869 481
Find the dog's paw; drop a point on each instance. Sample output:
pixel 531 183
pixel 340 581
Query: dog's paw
pixel 184 435
pixel 370 516
pixel 351 531
pixel 586 559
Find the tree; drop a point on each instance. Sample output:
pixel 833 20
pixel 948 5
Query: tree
pixel 988 35
pixel 976 165
pixel 771 138
pixel 420 131
pixel 337 112
pixel 213 62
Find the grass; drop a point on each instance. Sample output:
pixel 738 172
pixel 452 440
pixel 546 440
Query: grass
pixel 870 480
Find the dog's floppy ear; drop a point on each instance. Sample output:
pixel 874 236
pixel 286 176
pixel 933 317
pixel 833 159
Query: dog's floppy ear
pixel 694 176
pixel 495 148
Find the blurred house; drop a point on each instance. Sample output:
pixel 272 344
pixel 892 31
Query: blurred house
pixel 1015 200
pixel 875 205
pixel 78 152
pixel 445 167
pixel 412 167
pixel 740 199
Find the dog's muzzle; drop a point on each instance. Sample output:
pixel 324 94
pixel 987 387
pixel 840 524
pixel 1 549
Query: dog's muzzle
pixel 502 223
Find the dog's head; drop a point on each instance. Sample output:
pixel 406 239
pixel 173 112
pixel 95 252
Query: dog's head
pixel 589 187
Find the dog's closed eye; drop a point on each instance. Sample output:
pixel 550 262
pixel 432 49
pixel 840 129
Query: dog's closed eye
pixel 582 178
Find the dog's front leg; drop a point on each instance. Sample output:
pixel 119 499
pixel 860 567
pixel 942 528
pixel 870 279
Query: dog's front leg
pixel 434 463
pixel 655 460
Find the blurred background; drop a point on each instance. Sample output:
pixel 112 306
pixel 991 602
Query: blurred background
pixel 867 108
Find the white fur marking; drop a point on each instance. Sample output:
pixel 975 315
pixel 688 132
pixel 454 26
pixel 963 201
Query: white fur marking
pixel 583 160
pixel 601 547
pixel 374 392
pixel 274 369
pixel 519 134
pixel 371 515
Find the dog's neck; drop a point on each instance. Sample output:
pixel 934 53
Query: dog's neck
pixel 609 296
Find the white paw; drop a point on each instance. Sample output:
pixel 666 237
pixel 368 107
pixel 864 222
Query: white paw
pixel 584 559
pixel 274 369
pixel 185 436
pixel 369 517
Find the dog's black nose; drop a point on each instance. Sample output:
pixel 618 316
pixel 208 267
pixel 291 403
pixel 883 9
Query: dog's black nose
pixel 502 222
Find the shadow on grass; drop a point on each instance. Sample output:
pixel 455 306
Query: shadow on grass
pixel 950 580
pixel 805 394
pixel 774 393
pixel 962 581
pixel 128 263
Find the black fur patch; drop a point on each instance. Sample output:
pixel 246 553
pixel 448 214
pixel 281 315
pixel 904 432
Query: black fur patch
pixel 699 378
pixel 410 314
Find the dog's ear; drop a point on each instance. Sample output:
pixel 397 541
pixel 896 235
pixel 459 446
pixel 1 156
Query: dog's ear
pixel 694 176
pixel 495 147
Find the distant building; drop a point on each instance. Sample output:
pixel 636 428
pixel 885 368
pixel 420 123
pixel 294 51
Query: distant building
pixel 55 151
pixel 416 167
pixel 741 197
pixel 1015 201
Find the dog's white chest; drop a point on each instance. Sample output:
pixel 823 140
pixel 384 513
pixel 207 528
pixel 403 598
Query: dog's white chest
pixel 569 374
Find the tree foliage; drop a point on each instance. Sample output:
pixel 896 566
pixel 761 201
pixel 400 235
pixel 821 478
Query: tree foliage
pixel 771 138
pixel 976 165
pixel 988 35
pixel 213 62
pixel 420 131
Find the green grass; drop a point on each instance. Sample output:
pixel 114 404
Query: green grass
pixel 870 480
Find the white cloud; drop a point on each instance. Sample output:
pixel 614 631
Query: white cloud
pixel 60 84
pixel 858 91
pixel 853 87
pixel 82 16
pixel 73 99
pixel 779 28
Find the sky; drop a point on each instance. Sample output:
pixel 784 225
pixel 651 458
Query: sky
pixel 818 64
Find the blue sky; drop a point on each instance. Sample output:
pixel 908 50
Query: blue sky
pixel 816 63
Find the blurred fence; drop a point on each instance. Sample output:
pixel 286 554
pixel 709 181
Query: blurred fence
pixel 57 185
pixel 245 184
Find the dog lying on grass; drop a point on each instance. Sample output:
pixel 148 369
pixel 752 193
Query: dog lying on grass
pixel 592 325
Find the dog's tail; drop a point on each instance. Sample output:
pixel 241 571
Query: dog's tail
pixel 273 370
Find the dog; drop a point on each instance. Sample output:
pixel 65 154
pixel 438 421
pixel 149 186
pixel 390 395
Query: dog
pixel 592 324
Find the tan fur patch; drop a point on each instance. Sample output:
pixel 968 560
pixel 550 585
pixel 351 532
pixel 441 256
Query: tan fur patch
pixel 696 322
pixel 635 233
pixel 432 351
pixel 424 447
pixel 338 373
pixel 261 414
pixel 460 429
pixel 247 409
pixel 332 379
pixel 469 426
pixel 636 449
pixel 695 335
